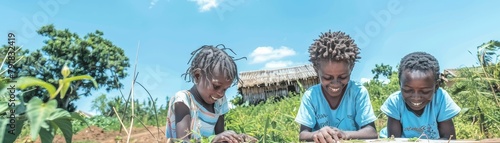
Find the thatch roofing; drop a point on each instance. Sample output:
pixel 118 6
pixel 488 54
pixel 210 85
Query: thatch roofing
pixel 451 72
pixel 456 71
pixel 84 114
pixel 267 77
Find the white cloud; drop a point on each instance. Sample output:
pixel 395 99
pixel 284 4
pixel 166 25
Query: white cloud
pixel 386 81
pixel 278 64
pixel 231 105
pixel 152 3
pixel 365 80
pixel 263 54
pixel 206 5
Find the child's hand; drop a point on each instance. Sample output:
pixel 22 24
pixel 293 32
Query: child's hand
pixel 247 138
pixel 228 136
pixel 328 135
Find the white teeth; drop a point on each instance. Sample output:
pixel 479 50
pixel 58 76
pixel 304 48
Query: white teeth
pixel 416 104
pixel 213 98
pixel 335 89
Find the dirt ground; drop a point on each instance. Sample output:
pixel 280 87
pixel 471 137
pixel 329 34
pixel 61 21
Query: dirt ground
pixel 94 134
pixel 138 135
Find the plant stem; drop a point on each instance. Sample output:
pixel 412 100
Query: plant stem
pixel 119 119
pixel 124 110
pixel 490 84
pixel 132 99
pixel 154 107
pixel 148 130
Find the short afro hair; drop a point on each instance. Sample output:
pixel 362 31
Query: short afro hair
pixel 419 61
pixel 209 58
pixel 334 46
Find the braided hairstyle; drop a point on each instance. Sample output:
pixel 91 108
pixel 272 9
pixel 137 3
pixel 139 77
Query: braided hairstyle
pixel 209 58
pixel 334 46
pixel 419 61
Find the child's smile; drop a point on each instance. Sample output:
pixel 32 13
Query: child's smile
pixel 418 88
pixel 214 88
pixel 334 90
pixel 214 98
pixel 334 76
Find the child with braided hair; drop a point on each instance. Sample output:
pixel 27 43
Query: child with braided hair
pixel 421 106
pixel 199 111
pixel 336 108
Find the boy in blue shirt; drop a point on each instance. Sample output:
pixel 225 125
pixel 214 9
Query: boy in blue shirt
pixel 421 107
pixel 337 108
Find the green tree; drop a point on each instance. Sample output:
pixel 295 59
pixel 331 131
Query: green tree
pixel 487 52
pixel 99 104
pixel 238 100
pixel 379 90
pixel 479 119
pixel 145 111
pixel 385 70
pixel 488 57
pixel 104 105
pixel 91 55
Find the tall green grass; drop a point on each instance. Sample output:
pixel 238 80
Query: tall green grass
pixel 269 122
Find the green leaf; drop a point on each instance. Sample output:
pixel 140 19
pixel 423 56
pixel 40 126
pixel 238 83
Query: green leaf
pixel 4 105
pixel 64 89
pixel 3 127
pixel 75 115
pixel 464 110
pixel 62 119
pixel 7 135
pixel 65 125
pixel 25 82
pixel 37 112
pixel 3 94
pixel 81 77
pixel 20 108
pixel 46 135
pixel 265 128
pixel 59 114
pixel 53 126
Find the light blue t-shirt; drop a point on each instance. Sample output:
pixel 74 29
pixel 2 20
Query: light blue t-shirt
pixel 355 109
pixel 202 121
pixel 441 108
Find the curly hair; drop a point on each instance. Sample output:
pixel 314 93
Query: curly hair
pixel 209 58
pixel 419 61
pixel 334 46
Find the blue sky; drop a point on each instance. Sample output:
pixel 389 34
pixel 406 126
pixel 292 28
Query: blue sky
pixel 270 33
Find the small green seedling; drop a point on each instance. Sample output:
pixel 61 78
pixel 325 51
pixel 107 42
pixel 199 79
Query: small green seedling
pixel 414 139
pixel 64 84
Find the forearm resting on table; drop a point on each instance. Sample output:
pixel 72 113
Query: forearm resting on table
pixel 367 132
pixel 306 136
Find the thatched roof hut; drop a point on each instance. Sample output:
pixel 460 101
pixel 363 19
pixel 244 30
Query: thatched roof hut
pixel 259 85
pixel 448 75
pixel 84 114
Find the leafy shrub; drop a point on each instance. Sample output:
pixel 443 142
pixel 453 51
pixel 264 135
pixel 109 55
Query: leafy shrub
pixel 270 121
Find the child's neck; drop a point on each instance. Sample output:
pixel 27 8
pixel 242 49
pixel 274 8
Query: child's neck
pixel 416 112
pixel 197 97
pixel 334 102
